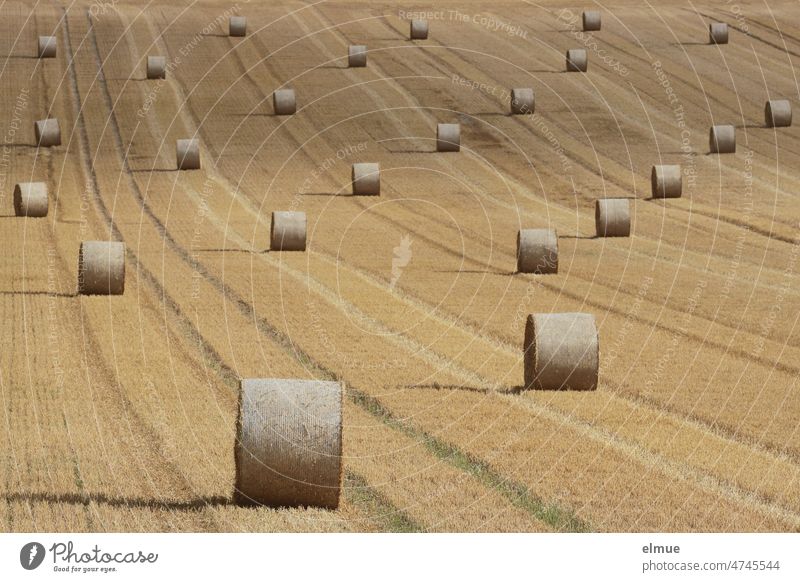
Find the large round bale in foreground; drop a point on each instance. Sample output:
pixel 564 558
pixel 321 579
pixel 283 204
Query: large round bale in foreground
pixel 718 33
pixel 366 179
pixel 522 101
pixel 722 139
pixel 357 55
pixel 561 351
pixel 30 199
pixel 612 217
pixel 101 268
pixel 156 67
pixel 591 20
pixel 237 26
pixel 288 231
pixel 448 137
pixel 47 47
pixel 187 152
pixel 537 251
pixel 48 132
pixel 289 443
pixel 666 181
pixel 778 113
pixel 284 102
pixel 419 29
pixel 577 60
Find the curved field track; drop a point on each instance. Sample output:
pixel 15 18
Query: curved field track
pixel 119 412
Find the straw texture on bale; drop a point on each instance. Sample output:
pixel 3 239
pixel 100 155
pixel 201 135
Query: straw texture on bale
pixel 366 179
pixel 522 101
pixel 561 351
pixel 288 231
pixel 237 26
pixel 47 47
pixel 591 20
pixel 448 137
pixel 283 102
pixel 577 60
pixel 289 443
pixel 357 55
pixel 778 113
pixel 537 251
pixel 30 199
pixel 718 33
pixel 666 181
pixel 48 133
pixel 101 268
pixel 612 217
pixel 187 152
pixel 419 29
pixel 156 67
pixel 722 139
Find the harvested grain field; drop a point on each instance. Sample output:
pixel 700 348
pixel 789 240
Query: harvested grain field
pixel 120 411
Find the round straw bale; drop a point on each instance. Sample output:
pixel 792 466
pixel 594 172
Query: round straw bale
pixel 187 152
pixel 288 231
pixel 48 133
pixel 30 199
pixel 156 67
pixel 101 268
pixel 722 139
pixel 718 33
pixel 448 137
pixel 366 179
pixel 284 102
pixel 666 181
pixel 591 20
pixel 561 351
pixel 778 113
pixel 612 217
pixel 537 251
pixel 522 101
pixel 357 55
pixel 419 29
pixel 289 443
pixel 577 60
pixel 47 47
pixel 237 26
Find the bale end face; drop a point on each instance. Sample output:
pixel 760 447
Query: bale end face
pixel 187 152
pixel 288 449
pixel 156 67
pixel 366 178
pixel 419 29
pixel 284 102
pixel 288 231
pixel 561 352
pixel 101 268
pixel 237 26
pixel 48 133
pixel 537 251
pixel 448 137
pixel 30 199
pixel 666 181
pixel 47 47
pixel 778 113
pixel 591 20
pixel 612 217
pixel 357 56
pixel 722 139
pixel 522 101
pixel 718 33
pixel 577 61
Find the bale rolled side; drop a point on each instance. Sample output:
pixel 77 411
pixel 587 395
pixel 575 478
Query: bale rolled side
pixel 47 47
pixel 48 133
pixel 187 152
pixel 288 231
pixel 419 29
pixel 778 113
pixel 366 179
pixel 101 268
pixel 357 55
pixel 666 181
pixel 284 102
pixel 523 101
pixel 30 199
pixel 561 351
pixel 591 20
pixel 288 448
pixel 718 33
pixel 237 26
pixel 448 137
pixel 537 251
pixel 722 139
pixel 577 60
pixel 612 217
pixel 156 67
